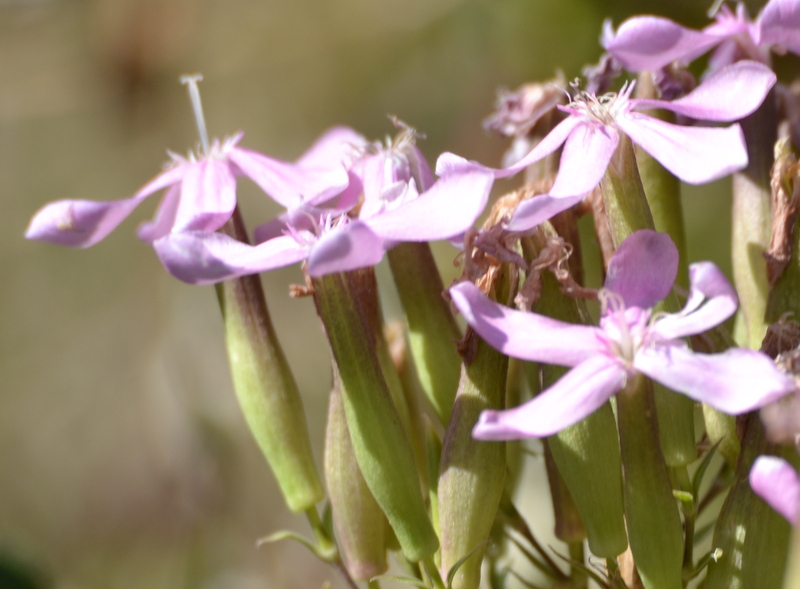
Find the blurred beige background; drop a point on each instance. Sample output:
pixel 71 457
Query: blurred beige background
pixel 124 461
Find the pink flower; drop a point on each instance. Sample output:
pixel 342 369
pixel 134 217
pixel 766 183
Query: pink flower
pixel 590 135
pixel 776 482
pixel 401 202
pixel 201 193
pixel 652 42
pixel 629 340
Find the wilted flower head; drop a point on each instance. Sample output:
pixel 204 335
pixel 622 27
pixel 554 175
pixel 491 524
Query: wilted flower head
pixel 630 339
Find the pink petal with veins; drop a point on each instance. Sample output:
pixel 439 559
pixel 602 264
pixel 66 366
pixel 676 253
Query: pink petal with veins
pixel 693 154
pixel 643 269
pixel 345 248
pixel 587 152
pixel 651 42
pixel 711 301
pixel 527 336
pixel 779 24
pixel 575 396
pixel 729 94
pixel 736 381
pixel 449 208
pixel 83 223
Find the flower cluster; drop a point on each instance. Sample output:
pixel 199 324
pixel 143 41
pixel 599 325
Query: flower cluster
pixel 348 202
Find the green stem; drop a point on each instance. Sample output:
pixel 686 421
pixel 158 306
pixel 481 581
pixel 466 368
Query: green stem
pixel 579 579
pixel 662 188
pixel 628 211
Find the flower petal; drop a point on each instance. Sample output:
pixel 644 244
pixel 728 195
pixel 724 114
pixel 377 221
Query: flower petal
pixel 345 248
pixel 534 211
pixel 776 482
pixel 711 301
pixel 208 196
pixel 735 381
pixel 528 336
pixel 651 42
pixel 693 154
pixel 729 94
pixel 579 393
pixel 334 146
pixel 203 257
pixel 450 207
pixel 643 269
pixel 164 219
pixel 450 162
pixel 289 184
pixel 587 151
pixel 779 24
pixel 83 223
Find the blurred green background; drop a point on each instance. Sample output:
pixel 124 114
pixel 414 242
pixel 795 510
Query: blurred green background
pixel 124 461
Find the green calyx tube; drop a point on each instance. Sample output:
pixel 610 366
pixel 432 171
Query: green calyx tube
pixel 752 223
pixel 472 472
pixel 586 454
pixel 651 512
pixel 379 440
pixel 265 387
pixel 432 328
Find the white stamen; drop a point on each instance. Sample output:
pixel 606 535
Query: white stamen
pixel 712 12
pixel 194 95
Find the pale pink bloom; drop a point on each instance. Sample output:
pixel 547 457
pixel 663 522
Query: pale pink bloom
pixel 201 193
pixel 401 202
pixel 652 42
pixel 590 135
pixel 629 340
